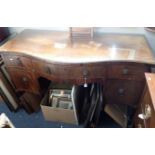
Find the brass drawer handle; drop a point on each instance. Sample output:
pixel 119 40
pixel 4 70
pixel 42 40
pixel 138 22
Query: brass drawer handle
pixel 19 61
pixel 121 91
pixel 125 71
pixel 147 113
pixel 24 79
pixel 85 74
pixel 33 70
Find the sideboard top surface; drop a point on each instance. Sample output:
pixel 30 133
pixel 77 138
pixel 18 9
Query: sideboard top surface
pixel 58 47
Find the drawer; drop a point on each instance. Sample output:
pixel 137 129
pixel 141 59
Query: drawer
pixel 23 80
pixel 123 92
pixel 70 71
pixel 43 67
pixel 17 61
pixel 129 71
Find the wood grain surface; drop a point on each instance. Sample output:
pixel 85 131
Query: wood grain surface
pixel 58 47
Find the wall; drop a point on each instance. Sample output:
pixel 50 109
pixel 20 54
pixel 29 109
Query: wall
pixel 125 30
pixel 19 29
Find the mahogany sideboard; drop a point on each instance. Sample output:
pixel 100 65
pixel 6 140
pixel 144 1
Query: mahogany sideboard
pixel 116 61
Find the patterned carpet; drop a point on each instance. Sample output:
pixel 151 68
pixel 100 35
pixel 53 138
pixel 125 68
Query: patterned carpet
pixel 21 119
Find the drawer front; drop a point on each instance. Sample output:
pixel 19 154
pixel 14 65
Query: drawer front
pixel 43 67
pixel 81 72
pixel 123 92
pixel 17 61
pixel 23 80
pixel 70 72
pixel 129 72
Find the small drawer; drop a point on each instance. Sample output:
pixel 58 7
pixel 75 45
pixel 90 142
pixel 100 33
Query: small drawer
pixel 23 80
pixel 68 72
pixel 123 92
pixel 43 67
pixel 129 72
pixel 96 71
pixel 17 61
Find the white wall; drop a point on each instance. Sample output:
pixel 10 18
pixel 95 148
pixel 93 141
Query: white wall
pixel 19 29
pixel 128 30
pixel 132 30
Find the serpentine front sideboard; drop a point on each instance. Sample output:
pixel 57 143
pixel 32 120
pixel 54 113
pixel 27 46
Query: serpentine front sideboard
pixel 117 61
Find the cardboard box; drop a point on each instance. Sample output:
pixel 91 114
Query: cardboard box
pixel 58 114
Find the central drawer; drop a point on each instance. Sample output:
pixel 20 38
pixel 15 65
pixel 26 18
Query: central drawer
pixel 70 71
pixel 81 72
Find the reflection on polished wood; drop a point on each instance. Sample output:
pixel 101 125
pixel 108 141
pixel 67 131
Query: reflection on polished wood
pixel 57 47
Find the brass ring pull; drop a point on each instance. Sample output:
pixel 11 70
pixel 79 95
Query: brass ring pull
pixel 85 73
pixel 121 91
pixel 25 79
pixel 125 71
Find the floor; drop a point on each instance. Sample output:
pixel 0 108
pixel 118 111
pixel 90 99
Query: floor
pixel 21 119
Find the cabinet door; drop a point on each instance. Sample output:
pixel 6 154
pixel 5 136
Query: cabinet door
pixel 23 80
pixel 123 92
pixel 148 110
